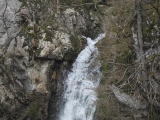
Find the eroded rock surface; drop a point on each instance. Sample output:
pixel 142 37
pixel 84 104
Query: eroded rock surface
pixel 36 51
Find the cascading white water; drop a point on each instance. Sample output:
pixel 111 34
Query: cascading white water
pixel 80 96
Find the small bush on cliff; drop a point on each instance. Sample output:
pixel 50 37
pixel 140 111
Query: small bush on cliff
pixel 33 110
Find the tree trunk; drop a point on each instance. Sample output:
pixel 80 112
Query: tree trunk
pixel 139 26
pixel 143 73
pixel 58 7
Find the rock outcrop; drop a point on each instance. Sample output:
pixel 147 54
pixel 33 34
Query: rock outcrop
pixel 37 47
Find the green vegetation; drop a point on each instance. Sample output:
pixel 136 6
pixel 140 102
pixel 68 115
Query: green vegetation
pixel 49 35
pixel 33 110
pixel 76 42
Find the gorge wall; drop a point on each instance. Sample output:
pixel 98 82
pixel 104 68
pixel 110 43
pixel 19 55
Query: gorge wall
pixel 39 40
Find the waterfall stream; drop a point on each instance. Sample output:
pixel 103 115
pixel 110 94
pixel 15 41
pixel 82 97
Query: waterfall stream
pixel 79 94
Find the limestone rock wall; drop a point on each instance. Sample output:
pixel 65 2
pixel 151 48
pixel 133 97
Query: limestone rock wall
pixel 37 47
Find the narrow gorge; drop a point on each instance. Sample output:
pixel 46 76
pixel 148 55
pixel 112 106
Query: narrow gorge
pixel 79 60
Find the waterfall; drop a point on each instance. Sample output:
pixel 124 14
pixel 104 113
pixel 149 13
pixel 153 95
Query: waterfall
pixel 79 94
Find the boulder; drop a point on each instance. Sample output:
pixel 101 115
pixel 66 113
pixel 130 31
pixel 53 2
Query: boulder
pixel 131 101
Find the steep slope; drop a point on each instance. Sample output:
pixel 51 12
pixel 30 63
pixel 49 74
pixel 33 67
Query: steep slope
pixel 130 57
pixel 39 40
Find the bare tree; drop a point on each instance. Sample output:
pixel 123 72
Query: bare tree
pixel 140 38
pixel 58 7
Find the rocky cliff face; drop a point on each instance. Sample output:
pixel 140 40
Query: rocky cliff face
pixel 37 46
